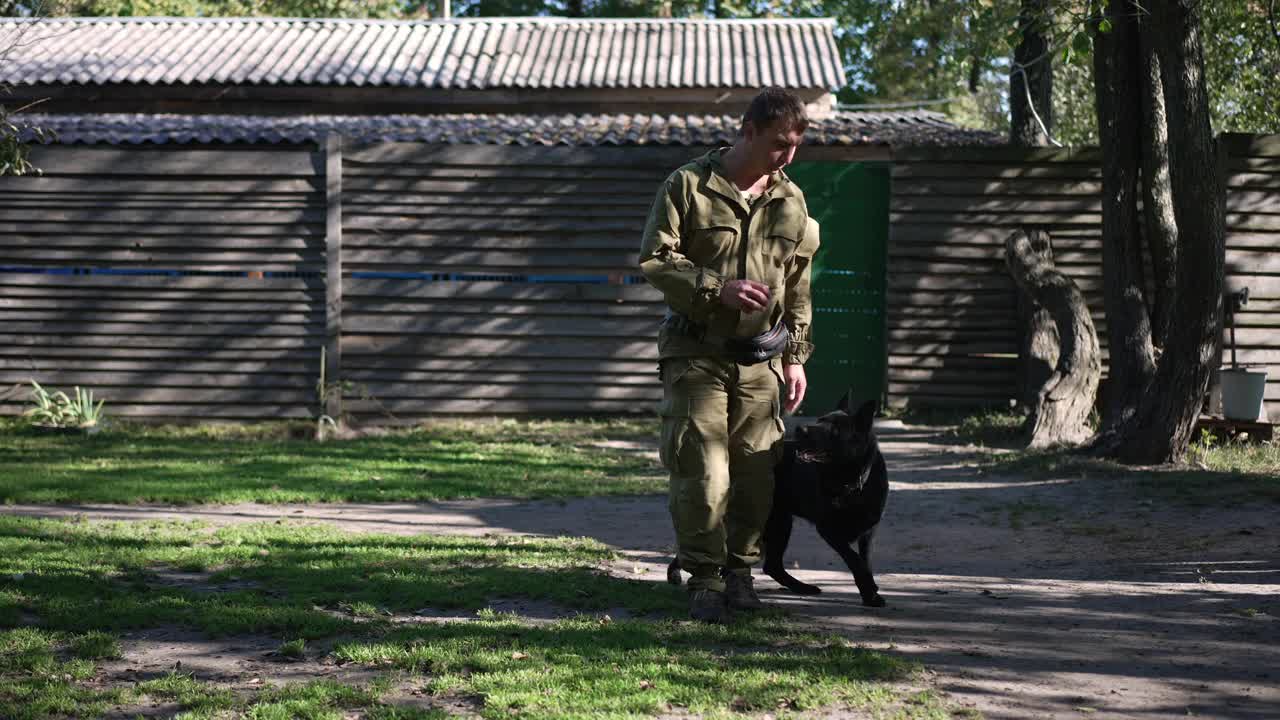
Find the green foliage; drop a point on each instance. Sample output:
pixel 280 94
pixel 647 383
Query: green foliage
pixel 57 409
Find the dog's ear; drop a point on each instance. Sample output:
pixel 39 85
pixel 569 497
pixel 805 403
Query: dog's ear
pixel 865 417
pixel 843 406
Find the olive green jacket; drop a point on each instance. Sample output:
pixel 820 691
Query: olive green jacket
pixel 701 234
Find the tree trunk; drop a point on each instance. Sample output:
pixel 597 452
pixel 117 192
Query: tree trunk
pixel 1116 85
pixel 1032 64
pixel 1161 429
pixel 1061 415
pixel 1037 336
pixel 1157 196
pixel 1038 339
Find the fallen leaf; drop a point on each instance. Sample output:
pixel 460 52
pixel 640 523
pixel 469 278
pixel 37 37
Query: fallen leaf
pixel 519 656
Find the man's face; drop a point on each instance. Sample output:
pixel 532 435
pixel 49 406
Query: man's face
pixel 772 147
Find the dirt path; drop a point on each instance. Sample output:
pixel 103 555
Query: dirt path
pixel 1055 597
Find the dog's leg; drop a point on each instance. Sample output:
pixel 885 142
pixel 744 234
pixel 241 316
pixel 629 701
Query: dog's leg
pixel 777 533
pixel 858 565
pixel 673 572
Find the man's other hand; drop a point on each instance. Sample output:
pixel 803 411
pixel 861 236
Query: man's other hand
pixel 796 385
pixel 748 296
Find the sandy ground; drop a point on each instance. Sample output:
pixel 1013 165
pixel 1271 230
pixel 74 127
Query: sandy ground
pixel 1024 597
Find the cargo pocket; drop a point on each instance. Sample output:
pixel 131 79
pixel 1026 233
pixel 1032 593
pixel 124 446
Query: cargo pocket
pixel 674 412
pixel 775 365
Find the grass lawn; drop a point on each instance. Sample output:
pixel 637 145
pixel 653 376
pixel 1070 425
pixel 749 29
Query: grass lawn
pixel 267 463
pixel 1213 473
pixel 408 612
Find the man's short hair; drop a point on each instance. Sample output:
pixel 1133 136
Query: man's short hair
pixel 776 104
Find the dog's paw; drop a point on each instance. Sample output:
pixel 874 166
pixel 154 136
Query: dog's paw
pixel 873 601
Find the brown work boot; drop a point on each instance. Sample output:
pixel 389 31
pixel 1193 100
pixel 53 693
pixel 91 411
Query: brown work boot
pixel 740 592
pixel 708 606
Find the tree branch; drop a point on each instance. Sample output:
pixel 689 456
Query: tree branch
pixel 1271 20
pixel 1026 87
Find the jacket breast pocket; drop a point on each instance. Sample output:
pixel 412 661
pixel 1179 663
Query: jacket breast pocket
pixel 782 240
pixel 710 246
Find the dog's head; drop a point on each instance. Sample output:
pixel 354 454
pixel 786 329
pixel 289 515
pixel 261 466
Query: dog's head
pixel 841 437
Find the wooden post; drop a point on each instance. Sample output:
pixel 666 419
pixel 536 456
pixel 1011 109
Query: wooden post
pixel 333 276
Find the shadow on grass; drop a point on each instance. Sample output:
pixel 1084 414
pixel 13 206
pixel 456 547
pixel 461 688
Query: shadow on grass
pixel 361 599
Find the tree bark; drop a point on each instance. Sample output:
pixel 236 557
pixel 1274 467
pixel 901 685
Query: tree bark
pixel 1033 68
pixel 1157 195
pixel 1161 429
pixel 1117 87
pixel 1064 402
pixel 1038 339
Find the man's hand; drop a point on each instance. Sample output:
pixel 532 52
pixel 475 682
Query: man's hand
pixel 796 385
pixel 748 296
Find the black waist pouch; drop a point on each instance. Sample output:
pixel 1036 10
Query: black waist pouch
pixel 765 346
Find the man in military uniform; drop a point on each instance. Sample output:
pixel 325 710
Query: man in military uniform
pixel 729 243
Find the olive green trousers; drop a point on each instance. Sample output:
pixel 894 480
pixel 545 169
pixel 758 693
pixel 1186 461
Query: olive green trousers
pixel 721 437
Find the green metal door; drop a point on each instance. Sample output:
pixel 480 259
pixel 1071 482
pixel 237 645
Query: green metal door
pixel 851 201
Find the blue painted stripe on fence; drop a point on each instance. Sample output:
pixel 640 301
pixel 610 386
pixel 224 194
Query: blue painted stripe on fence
pixel 546 278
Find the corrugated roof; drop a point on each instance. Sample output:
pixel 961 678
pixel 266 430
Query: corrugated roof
pixel 900 129
pixel 464 54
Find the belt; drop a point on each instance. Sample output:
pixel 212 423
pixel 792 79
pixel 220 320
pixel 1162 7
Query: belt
pixel 744 351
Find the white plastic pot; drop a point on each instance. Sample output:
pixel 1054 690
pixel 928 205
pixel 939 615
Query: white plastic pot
pixel 1242 393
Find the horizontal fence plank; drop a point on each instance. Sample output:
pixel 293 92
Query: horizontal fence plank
pixel 403 154
pixel 469 390
pixel 500 226
pixel 947 171
pixel 154 229
pixel 97 303
pixel 182 365
pixel 173 256
pixel 165 216
pixel 580 242
pixel 602 310
pixel 105 383
pixel 181 411
pixel 176 186
pixel 391 203
pixel 164 318
pixel 377 363
pixel 94 342
pixel 173 242
pixel 361 173
pixel 367 377
pixel 479 260
pixel 1012 187
pixel 394 411
pixel 985 204
pixel 108 161
pixel 580 326
pixel 405 289
pixel 158 283
pixel 552 347
pixel 413 186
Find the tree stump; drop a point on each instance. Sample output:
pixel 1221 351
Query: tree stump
pixel 1060 414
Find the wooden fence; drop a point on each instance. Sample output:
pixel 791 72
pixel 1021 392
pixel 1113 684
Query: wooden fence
pixel 496 279
pixel 952 306
pixel 225 318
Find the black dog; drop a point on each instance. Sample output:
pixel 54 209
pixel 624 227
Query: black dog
pixel 833 475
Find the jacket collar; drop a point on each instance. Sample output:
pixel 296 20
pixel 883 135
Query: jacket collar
pixel 717 179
